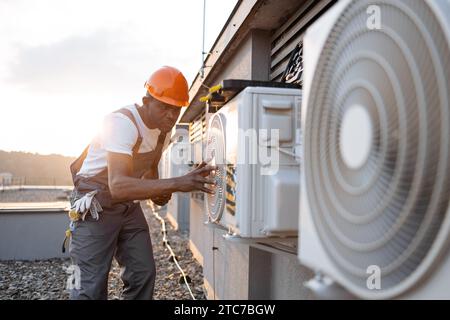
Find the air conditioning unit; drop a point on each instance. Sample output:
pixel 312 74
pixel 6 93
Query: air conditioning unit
pixel 179 151
pixel 375 180
pixel 251 139
pixel 197 132
pixel 177 156
pixel 164 164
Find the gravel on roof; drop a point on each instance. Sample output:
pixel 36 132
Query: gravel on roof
pixel 46 279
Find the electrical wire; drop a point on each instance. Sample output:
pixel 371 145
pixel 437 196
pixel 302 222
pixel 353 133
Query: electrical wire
pixel 214 265
pixel 281 247
pixel 172 253
pixel 285 151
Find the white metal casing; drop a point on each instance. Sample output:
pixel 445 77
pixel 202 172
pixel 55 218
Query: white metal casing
pixel 431 280
pixel 176 159
pixel 264 205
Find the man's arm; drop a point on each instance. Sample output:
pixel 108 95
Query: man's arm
pixel 125 187
pixel 153 173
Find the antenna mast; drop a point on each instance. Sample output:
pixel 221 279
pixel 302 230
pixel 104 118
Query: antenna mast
pixel 202 70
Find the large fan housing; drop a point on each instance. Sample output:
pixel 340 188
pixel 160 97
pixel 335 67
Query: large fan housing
pixel 376 119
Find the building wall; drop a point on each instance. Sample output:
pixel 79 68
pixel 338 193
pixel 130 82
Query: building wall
pixel 251 60
pixel 282 274
pixel 241 271
pixel 33 235
pixel 198 233
pixel 178 211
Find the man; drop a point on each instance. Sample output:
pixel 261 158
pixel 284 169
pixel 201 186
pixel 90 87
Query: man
pixel 117 168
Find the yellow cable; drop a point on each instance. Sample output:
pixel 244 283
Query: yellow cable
pixel 215 88
pixel 205 98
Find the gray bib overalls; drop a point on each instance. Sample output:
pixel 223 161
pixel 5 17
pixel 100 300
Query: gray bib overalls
pixel 121 232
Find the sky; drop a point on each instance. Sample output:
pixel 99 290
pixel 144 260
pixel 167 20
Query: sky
pixel 65 64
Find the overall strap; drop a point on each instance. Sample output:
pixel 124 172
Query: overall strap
pixel 77 164
pixel 130 115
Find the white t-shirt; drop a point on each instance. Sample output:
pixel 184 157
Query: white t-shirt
pixel 119 134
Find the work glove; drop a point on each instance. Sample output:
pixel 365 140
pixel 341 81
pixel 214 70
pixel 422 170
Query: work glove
pixel 87 203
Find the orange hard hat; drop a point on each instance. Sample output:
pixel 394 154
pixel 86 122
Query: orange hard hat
pixel 168 85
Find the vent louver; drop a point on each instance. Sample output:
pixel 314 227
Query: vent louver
pixel 377 140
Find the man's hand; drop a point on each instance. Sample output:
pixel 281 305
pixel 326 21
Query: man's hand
pixel 197 179
pixel 162 200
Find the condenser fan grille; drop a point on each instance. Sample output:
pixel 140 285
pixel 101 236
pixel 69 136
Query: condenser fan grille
pixel 215 151
pixel 377 140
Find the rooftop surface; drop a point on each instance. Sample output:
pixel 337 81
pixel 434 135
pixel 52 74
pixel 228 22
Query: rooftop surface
pixel 34 195
pixel 34 206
